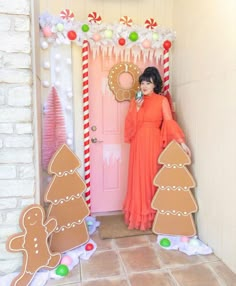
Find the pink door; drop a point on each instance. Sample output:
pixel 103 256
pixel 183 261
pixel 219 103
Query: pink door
pixel 108 152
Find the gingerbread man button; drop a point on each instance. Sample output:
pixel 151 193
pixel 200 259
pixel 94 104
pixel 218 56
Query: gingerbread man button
pixel 33 242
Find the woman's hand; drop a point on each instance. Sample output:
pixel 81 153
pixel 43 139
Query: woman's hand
pixel 139 103
pixel 186 149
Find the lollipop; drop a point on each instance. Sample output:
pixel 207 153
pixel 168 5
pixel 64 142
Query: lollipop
pixel 150 23
pixel 93 17
pixel 125 20
pixel 67 15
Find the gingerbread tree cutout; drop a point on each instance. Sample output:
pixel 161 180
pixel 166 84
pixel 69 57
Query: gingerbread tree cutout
pixel 67 204
pixel 174 201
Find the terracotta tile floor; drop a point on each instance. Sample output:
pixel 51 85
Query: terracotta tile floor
pixel 139 261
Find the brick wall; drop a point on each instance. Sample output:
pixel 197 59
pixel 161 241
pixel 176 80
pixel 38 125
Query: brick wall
pixel 17 174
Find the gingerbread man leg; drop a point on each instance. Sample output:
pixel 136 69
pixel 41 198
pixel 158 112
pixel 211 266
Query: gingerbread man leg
pixel 23 279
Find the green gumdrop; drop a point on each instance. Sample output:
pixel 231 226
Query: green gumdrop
pixel 133 36
pixel 62 270
pixel 164 242
pixel 85 28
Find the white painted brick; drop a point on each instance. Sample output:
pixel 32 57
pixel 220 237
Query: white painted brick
pixel 16 188
pixel 5 254
pixel 26 202
pixel 7 172
pixel 24 128
pixel 19 96
pixel 15 114
pixel 12 217
pixel 16 76
pixel 5 23
pixel 6 128
pixel 26 171
pixel 2 100
pixel 16 7
pixel 6 231
pixel 18 141
pixel 22 23
pixel 10 266
pixel 15 42
pixel 16 60
pixel 16 156
pixel 10 203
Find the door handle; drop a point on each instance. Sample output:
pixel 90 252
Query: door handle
pixel 95 140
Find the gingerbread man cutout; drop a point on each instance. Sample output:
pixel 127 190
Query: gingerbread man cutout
pixel 33 242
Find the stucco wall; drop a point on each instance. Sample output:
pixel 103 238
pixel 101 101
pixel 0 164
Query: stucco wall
pixel 204 76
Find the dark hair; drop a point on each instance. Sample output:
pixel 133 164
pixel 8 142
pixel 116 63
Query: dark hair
pixel 151 74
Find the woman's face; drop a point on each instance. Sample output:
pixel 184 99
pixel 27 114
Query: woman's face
pixel 147 87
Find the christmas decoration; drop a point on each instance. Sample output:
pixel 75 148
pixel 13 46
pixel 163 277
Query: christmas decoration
pixel 167 45
pixel 85 28
pixel 173 200
pixel 67 15
pixel 106 35
pixel 33 243
pixel 85 51
pixel 54 130
pixel 67 205
pixel 150 24
pixel 72 35
pixel 93 17
pixel 121 93
pixel 121 41
pixel 125 20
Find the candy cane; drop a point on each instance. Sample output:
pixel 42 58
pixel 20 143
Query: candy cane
pixel 166 76
pixel 85 49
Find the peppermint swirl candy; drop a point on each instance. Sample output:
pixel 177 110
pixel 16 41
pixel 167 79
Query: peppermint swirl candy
pixel 94 17
pixel 150 24
pixel 125 20
pixel 67 15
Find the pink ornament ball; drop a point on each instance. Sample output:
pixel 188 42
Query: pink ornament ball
pixel 121 41
pixel 96 37
pixel 66 260
pixel 47 32
pixel 184 239
pixel 146 44
pixel 71 35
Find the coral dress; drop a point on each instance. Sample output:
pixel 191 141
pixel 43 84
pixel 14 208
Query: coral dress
pixel 148 131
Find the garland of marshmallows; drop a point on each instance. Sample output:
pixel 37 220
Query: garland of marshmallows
pixel 93 35
pixel 122 36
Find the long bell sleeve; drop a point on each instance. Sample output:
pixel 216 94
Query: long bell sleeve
pixel 131 122
pixel 170 130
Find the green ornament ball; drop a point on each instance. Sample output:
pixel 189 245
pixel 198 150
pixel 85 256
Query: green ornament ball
pixel 60 27
pixel 62 270
pixel 133 36
pixel 155 36
pixel 165 242
pixel 85 28
pixel 108 34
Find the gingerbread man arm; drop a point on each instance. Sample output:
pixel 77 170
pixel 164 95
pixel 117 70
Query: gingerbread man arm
pixel 51 225
pixel 15 243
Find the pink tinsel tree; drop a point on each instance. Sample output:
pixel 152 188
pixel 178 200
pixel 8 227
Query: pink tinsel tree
pixel 54 130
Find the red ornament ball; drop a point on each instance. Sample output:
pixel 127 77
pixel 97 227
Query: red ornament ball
pixel 121 41
pixel 72 35
pixel 89 247
pixel 167 45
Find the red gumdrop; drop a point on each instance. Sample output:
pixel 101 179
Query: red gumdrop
pixel 121 41
pixel 71 35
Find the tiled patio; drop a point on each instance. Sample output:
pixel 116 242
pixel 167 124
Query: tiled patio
pixel 139 261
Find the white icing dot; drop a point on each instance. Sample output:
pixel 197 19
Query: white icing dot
pixel 168 165
pixel 185 212
pixel 73 225
pixel 173 211
pixel 35 239
pixel 78 194
pixel 68 224
pixel 59 173
pixel 55 201
pixel 179 214
pixel 71 171
pixel 185 188
pixel 36 245
pixel 61 202
pixel 62 229
pixel 168 214
pixel 36 251
pixel 57 228
pixel 180 165
pixel 162 187
pixel 28 217
pixel 168 189
pixel 67 197
pixel 179 189
pixel 162 211
pixel 79 220
pixel 174 167
pixel 72 199
pixel 66 174
pixel 174 187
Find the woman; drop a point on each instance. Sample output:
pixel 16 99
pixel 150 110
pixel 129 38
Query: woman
pixel 149 127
